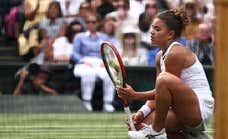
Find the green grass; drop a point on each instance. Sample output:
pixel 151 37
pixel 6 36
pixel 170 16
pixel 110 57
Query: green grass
pixel 65 126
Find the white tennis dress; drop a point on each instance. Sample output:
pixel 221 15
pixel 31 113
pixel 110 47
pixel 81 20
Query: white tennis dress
pixel 195 77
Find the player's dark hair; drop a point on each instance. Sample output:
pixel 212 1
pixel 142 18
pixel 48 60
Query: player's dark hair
pixel 175 19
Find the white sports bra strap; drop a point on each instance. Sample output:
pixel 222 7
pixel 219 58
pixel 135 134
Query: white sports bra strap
pixel 162 59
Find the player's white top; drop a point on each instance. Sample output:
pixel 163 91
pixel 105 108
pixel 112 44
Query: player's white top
pixel 195 77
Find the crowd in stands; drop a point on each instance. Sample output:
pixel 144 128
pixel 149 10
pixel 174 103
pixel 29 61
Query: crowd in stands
pixel 71 31
pixel 43 28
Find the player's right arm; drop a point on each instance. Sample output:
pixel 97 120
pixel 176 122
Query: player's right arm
pixel 129 93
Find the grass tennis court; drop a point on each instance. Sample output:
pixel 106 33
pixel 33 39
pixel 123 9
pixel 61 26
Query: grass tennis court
pixel 65 126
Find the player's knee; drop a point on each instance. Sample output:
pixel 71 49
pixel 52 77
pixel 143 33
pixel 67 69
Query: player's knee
pixel 163 80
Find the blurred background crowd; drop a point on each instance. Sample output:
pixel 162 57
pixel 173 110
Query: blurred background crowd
pixel 70 32
pixel 47 29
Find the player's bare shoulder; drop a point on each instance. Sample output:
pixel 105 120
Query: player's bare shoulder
pixel 181 54
pixel 177 52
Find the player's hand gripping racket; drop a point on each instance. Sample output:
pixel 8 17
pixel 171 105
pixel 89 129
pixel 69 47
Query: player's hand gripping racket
pixel 115 68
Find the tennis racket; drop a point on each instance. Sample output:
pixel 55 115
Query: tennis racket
pixel 116 71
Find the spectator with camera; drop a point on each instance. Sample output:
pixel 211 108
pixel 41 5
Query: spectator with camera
pixel 34 79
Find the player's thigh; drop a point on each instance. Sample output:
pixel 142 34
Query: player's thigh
pixel 184 101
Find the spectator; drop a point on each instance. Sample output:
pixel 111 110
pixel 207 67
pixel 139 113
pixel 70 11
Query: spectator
pixel 209 11
pixel 145 20
pixel 14 19
pixel 115 4
pixel 10 11
pixel 122 16
pixel 62 46
pixel 62 49
pixel 94 4
pixel 202 45
pixel 151 8
pixel 109 29
pixel 51 25
pixel 70 8
pixel 174 3
pixel 136 8
pixel 74 28
pixel 164 5
pixel 29 38
pixel 84 11
pixel 35 80
pixel 190 7
pixel 144 24
pixel 51 28
pixel 105 8
pixel 131 52
pixel 89 64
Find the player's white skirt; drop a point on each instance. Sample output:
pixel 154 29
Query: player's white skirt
pixel 206 102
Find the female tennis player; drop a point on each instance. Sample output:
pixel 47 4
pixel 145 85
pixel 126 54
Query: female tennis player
pixel 182 100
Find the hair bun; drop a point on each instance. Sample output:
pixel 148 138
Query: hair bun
pixel 175 19
pixel 181 14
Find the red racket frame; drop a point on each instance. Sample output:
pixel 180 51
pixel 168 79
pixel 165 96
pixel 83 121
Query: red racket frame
pixel 123 71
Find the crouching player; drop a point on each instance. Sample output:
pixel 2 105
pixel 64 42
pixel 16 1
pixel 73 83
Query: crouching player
pixel 181 104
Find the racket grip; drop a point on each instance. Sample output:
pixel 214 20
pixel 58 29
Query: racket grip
pixel 129 116
pixel 124 102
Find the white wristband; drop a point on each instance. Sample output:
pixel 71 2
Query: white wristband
pixel 145 110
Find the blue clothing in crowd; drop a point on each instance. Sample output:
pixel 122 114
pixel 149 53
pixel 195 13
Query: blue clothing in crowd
pixel 87 45
pixel 152 56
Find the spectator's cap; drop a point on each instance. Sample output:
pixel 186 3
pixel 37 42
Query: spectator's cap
pixel 189 1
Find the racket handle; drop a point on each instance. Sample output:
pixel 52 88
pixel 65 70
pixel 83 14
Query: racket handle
pixel 129 117
pixel 124 102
